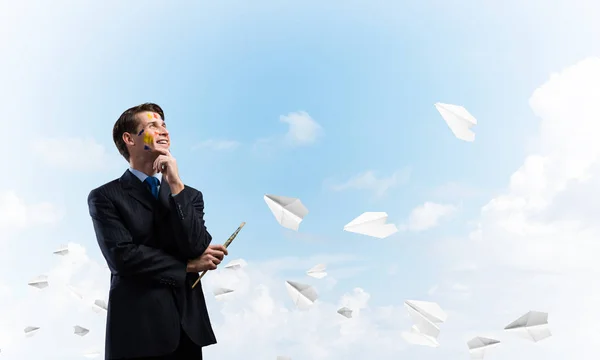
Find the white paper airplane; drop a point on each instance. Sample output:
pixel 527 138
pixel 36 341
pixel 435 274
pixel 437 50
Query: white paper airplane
pixel 81 331
pixel 426 317
pixel 288 211
pixel 344 311
pixel 74 292
pixel 221 293
pixel 458 119
pixel 31 330
pixel 99 306
pixel 40 282
pixel 302 295
pixel 479 345
pixel 532 326
pixel 284 358
pixel 372 224
pixel 62 250
pixel 236 264
pixel 317 271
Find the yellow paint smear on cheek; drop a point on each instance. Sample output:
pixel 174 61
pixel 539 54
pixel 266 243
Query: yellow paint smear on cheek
pixel 148 138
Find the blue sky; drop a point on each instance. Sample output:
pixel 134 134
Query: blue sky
pixel 368 74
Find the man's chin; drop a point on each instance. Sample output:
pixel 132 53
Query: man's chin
pixel 160 147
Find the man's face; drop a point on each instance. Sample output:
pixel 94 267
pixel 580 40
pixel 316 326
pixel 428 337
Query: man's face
pixel 151 133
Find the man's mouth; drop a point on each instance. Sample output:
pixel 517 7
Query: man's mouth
pixel 162 142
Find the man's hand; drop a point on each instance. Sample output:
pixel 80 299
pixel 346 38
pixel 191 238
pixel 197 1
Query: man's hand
pixel 166 164
pixel 211 258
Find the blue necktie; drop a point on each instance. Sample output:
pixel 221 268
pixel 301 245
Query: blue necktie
pixel 152 184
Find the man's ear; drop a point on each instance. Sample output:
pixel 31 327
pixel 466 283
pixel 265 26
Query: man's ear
pixel 128 139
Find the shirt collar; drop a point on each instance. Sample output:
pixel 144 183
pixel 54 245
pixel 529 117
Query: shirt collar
pixel 140 175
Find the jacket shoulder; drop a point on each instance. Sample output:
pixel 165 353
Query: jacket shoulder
pixel 106 189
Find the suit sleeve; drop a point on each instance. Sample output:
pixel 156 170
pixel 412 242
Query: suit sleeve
pixel 188 220
pixel 123 255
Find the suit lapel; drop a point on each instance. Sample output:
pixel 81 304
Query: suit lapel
pixel 137 190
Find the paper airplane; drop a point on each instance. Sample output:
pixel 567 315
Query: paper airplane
pixel 372 224
pixel 288 211
pixel 81 331
pixel 317 271
pixel 62 250
pixel 532 326
pixel 74 292
pixel 221 293
pixel 344 311
pixel 236 264
pixel 40 282
pixel 426 317
pixel 99 306
pixel 302 295
pixel 458 119
pixel 284 358
pixel 479 345
pixel 31 330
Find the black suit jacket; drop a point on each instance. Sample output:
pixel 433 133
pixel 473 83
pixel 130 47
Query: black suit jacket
pixel 146 244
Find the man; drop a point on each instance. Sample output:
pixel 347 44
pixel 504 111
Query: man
pixel 150 229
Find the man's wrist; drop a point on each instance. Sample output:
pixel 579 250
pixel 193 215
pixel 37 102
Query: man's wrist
pixel 177 187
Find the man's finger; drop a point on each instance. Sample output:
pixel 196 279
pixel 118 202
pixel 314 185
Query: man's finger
pixel 215 260
pixel 220 248
pixel 219 255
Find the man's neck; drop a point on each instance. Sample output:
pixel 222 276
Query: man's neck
pixel 144 167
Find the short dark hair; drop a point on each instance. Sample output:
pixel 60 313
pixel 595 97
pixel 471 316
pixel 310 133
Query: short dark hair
pixel 128 122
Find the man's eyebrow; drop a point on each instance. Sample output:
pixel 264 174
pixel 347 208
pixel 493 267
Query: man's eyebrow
pixel 157 123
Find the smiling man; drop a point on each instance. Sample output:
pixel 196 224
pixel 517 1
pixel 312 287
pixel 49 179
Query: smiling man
pixel 150 229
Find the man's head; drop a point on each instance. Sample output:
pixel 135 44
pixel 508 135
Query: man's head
pixel 140 130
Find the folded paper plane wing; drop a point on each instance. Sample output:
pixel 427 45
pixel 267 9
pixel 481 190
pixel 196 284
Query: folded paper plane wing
pixel 372 224
pixel 459 120
pixel 317 271
pixel 40 282
pixel 236 264
pixel 532 326
pixel 80 330
pixel 426 316
pixel 288 211
pixel 344 311
pixel 220 292
pixel 479 345
pixel 302 295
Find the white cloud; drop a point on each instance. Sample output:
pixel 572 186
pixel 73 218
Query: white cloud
pixel 16 214
pixel 75 154
pixel 218 145
pixel 303 129
pixel 56 311
pixel 258 320
pixel 428 216
pixel 536 245
pixel 369 181
pixel 261 317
